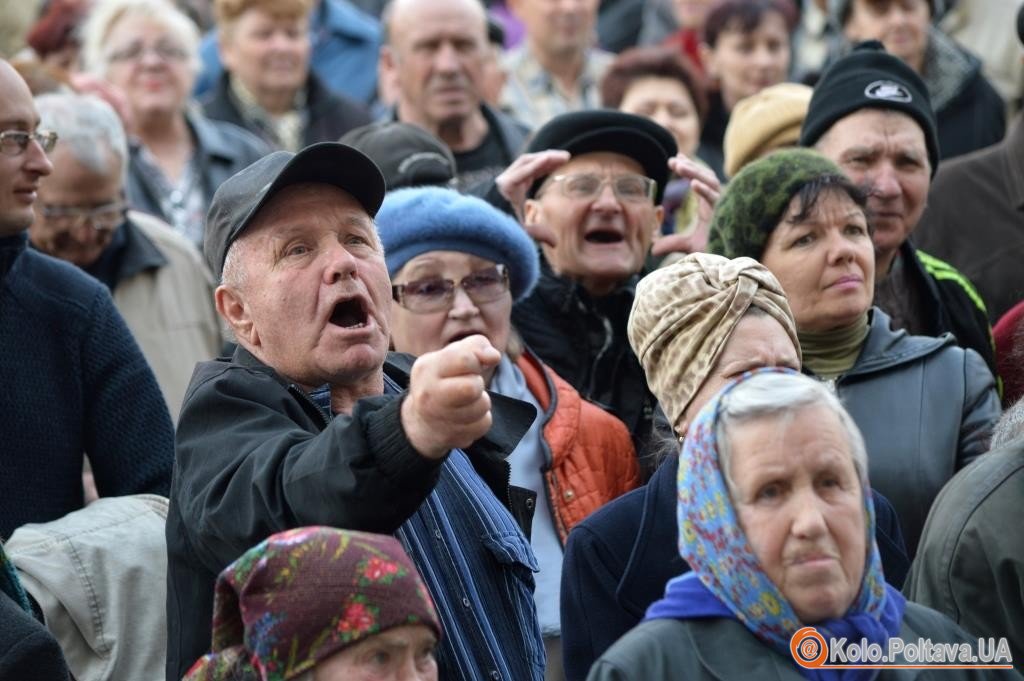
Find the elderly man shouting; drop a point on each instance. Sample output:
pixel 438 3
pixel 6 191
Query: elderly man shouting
pixel 310 422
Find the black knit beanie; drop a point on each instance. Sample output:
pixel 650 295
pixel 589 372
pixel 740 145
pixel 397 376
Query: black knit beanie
pixel 756 199
pixel 870 77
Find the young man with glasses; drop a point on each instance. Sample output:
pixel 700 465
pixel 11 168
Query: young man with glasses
pixel 157 278
pixel 589 187
pixel 75 383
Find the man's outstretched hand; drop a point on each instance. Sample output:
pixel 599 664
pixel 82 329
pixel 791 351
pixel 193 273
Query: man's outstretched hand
pixel 447 405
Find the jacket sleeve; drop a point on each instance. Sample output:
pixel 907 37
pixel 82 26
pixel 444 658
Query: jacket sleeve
pixel 247 468
pixel 980 411
pixel 128 432
pixel 591 617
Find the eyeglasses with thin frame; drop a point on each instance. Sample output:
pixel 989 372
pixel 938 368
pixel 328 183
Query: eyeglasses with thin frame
pixel 630 188
pixel 105 218
pixel 136 51
pixel 15 142
pixel 436 294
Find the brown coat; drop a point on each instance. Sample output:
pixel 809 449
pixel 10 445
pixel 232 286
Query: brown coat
pixel 592 459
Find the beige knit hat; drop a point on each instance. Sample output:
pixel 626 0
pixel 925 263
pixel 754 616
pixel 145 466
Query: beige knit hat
pixel 684 314
pixel 765 121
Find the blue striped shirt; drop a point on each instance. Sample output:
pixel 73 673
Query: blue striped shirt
pixel 478 567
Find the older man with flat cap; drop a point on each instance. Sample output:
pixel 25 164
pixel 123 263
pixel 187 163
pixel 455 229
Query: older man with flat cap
pixel 312 422
pixel 589 186
pixel 871 115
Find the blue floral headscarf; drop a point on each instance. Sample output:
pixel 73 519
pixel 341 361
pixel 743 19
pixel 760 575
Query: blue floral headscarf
pixel 727 579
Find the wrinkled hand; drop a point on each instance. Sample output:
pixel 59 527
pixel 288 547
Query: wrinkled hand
pixel 515 181
pixel 705 183
pixel 447 405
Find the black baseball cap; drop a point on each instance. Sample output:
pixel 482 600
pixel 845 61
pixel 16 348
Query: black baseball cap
pixel 243 194
pixel 407 155
pixel 636 137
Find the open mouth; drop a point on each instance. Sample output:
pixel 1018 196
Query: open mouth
pixel 349 314
pixel 604 236
pixel 462 334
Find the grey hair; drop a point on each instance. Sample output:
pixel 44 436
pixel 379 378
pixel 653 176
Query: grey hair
pixel 86 126
pixel 782 395
pixel 1010 425
pixel 234 273
pixel 105 14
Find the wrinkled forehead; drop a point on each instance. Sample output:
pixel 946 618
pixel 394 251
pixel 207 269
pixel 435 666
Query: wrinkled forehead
pixel 873 126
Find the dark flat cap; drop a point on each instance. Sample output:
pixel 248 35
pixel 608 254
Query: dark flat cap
pixel 583 132
pixel 244 193
pixel 407 155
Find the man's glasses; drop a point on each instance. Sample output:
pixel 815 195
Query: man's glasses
pixel 434 295
pixel 105 218
pixel 15 142
pixel 584 186
pixel 136 51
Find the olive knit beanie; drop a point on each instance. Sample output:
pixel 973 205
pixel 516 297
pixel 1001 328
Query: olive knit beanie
pixel 755 200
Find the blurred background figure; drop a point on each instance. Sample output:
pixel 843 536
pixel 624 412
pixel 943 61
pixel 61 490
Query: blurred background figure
pixel 55 38
pixel 746 47
pixel 970 113
pixel 344 40
pixel 660 84
pixel 689 17
pixel 764 122
pixel 435 59
pixel 267 86
pixel 407 155
pixel 320 604
pixel 158 280
pixel 557 68
pixel 973 219
pixel 178 157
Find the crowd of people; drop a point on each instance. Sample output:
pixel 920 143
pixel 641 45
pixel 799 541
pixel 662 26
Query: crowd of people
pixel 522 340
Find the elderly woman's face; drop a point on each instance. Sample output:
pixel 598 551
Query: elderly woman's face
pixel 403 653
pixel 150 66
pixel 798 499
pixel 418 331
pixel 825 262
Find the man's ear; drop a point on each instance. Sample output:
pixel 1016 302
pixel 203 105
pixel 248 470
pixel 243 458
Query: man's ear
pixel 532 211
pixel 232 308
pixel 659 218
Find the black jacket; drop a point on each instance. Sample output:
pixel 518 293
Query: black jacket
pixel 330 114
pixel 221 150
pixel 619 559
pixel 255 455
pixel 970 114
pixel 583 339
pixel 953 304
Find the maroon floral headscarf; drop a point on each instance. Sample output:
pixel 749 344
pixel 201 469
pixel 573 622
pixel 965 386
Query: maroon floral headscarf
pixel 302 595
